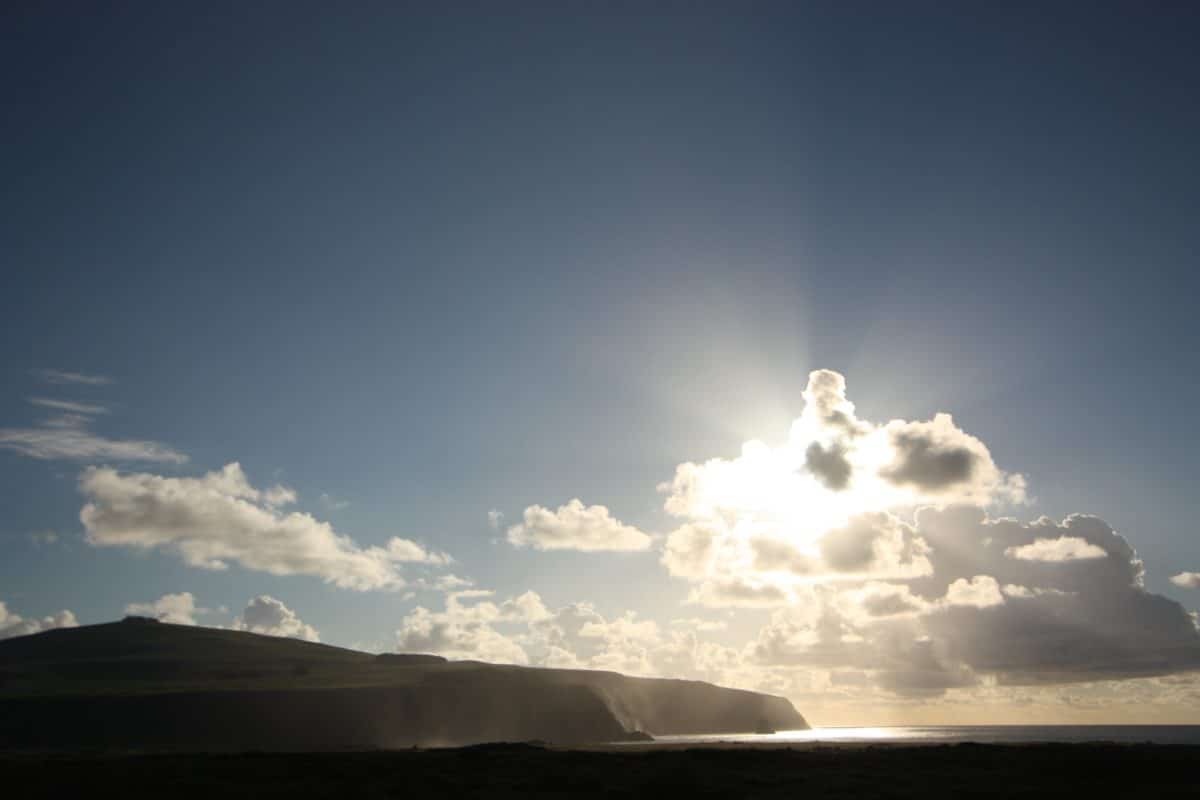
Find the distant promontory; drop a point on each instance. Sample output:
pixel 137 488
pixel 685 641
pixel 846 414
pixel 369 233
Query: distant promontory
pixel 144 685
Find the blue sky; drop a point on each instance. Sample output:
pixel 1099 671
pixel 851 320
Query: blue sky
pixel 435 263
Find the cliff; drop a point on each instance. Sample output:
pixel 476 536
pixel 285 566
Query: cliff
pixel 146 685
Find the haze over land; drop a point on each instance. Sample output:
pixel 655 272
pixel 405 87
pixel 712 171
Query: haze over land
pixel 843 354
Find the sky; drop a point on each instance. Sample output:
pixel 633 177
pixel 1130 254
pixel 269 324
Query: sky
pixel 838 350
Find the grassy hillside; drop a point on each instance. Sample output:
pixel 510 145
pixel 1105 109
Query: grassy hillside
pixel 141 657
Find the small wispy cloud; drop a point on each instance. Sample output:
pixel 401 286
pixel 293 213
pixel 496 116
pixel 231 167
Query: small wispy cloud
pixel 67 437
pixel 43 538
pixel 68 406
pixel 64 376
pixel 332 503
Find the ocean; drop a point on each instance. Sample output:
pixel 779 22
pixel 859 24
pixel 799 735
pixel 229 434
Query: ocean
pixel 949 734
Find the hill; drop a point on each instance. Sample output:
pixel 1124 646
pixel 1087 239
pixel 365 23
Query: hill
pixel 141 684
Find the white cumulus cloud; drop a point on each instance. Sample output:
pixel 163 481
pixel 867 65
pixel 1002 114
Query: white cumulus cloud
pixel 980 591
pixel 220 518
pixel 1064 548
pixel 575 526
pixel 1188 580
pixel 266 615
pixel 13 624
pixel 179 608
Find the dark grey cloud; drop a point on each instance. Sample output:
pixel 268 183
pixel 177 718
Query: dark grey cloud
pixel 1065 638
pixel 829 465
pixel 877 542
pixel 734 592
pixel 852 548
pixel 890 604
pixel 1062 620
pixel 983 612
pixel 919 668
pixel 923 461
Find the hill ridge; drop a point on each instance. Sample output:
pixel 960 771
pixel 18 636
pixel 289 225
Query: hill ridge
pixel 190 687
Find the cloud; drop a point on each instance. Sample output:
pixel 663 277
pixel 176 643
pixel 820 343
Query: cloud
pixel 444 583
pixel 932 455
pixel 406 550
pixel 877 599
pixel 826 504
pixel 43 538
pixel 689 550
pixel 495 519
pixel 12 624
pixel 67 437
pixel 1080 620
pixel 776 555
pixel 278 496
pixel 829 465
pixel 1188 580
pixel 875 544
pixel 936 458
pixel 982 615
pixel 826 405
pixel 736 592
pixel 65 377
pixel 465 630
pixel 220 518
pixel 575 527
pixel 423 631
pixel 521 630
pixel 179 609
pixel 728 562
pixel 266 615
pixel 697 624
pixel 872 545
pixel 332 503
pixel 1064 548
pixel 982 591
pixel 68 406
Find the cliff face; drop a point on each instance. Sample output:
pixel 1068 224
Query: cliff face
pixel 677 707
pixel 155 686
pixel 305 719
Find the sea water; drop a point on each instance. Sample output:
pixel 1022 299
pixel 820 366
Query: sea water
pixel 949 734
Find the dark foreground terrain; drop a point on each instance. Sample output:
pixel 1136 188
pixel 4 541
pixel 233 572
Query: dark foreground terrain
pixel 497 771
pixel 144 685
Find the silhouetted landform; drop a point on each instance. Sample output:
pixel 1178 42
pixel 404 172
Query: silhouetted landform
pixel 500 771
pixel 140 684
pixel 409 658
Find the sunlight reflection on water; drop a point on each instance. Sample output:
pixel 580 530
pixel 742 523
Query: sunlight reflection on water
pixel 812 735
pixel 1161 734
